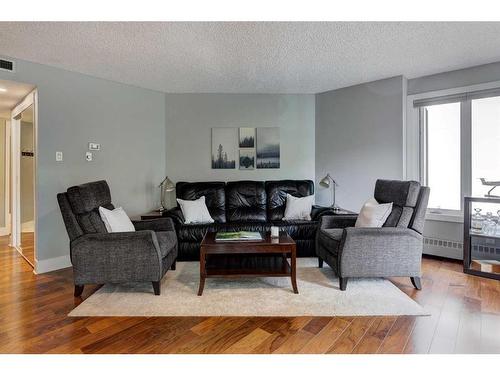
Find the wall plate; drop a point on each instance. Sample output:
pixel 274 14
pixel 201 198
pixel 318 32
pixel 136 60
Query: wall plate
pixel 94 146
pixel 88 156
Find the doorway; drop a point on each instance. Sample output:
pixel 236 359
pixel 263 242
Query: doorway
pixel 18 125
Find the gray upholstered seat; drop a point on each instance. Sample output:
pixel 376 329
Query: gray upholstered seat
pixel 99 257
pixel 393 250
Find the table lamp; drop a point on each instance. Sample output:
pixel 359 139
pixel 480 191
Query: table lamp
pixel 166 186
pixel 328 182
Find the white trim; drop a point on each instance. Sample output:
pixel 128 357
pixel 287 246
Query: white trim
pixel 30 99
pixel 4 231
pixel 7 177
pixel 52 264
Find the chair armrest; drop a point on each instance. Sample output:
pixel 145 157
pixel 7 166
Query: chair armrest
pixel 163 224
pixel 337 221
pixel 116 257
pixel 380 252
pixel 176 215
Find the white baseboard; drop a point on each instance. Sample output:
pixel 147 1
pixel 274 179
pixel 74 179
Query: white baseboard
pixel 52 264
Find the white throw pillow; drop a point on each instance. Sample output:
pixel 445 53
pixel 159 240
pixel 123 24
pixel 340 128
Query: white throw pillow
pixel 195 212
pixel 298 208
pixel 116 220
pixel 373 214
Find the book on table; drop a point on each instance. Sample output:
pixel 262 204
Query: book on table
pixel 238 236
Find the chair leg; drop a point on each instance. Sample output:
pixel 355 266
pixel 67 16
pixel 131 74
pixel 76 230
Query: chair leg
pixel 172 267
pixel 343 283
pixel 320 262
pixel 416 282
pixel 156 288
pixel 78 290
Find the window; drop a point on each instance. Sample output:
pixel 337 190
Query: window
pixel 485 143
pixel 459 139
pixel 443 155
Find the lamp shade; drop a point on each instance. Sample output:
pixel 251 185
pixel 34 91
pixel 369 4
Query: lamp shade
pixel 169 185
pixel 325 181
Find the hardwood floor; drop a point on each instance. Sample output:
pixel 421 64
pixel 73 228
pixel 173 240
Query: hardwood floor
pixel 28 247
pixel 33 319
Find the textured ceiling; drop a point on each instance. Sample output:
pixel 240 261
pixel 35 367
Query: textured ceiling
pixel 252 57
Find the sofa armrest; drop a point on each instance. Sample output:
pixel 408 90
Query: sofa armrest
pixel 380 252
pixel 163 224
pixel 176 215
pixel 116 257
pixel 337 221
pixel 318 211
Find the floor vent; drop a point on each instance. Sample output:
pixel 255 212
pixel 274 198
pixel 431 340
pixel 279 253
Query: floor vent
pixel 437 242
pixel 6 65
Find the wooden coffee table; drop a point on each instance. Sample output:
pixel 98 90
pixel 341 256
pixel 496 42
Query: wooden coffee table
pixel 267 257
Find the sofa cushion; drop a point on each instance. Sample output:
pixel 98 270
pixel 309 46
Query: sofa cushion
pixel 246 200
pixel 167 241
pixel 195 232
pixel 276 192
pixel 214 192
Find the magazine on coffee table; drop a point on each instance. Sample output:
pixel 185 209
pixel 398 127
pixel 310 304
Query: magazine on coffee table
pixel 238 236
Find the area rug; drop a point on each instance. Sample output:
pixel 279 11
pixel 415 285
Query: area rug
pixel 319 295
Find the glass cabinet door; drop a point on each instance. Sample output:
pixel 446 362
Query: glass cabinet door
pixel 482 237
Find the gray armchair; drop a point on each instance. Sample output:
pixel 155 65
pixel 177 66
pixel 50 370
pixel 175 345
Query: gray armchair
pixel 393 250
pixel 99 257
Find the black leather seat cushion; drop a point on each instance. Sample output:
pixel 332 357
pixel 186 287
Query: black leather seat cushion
pixel 214 192
pixel 246 200
pixel 195 232
pixel 276 192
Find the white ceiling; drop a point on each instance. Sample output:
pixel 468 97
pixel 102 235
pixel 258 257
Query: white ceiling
pixel 14 94
pixel 252 57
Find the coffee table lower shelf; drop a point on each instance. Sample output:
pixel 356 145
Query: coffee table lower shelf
pixel 268 258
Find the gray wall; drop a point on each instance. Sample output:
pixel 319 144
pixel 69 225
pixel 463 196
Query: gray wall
pixel 190 118
pixel 359 138
pixel 2 173
pixel 75 109
pixel 456 78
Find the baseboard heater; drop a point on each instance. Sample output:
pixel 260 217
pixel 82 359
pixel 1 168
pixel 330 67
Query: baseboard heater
pixel 443 248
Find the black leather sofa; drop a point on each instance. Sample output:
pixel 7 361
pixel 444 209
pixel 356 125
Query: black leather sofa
pixel 245 205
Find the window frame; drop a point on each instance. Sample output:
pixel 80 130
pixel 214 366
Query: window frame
pixel 415 141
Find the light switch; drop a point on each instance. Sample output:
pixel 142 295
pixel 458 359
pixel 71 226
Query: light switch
pixel 88 156
pixel 59 156
pixel 94 146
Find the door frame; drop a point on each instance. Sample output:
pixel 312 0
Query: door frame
pixel 15 183
pixel 5 230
